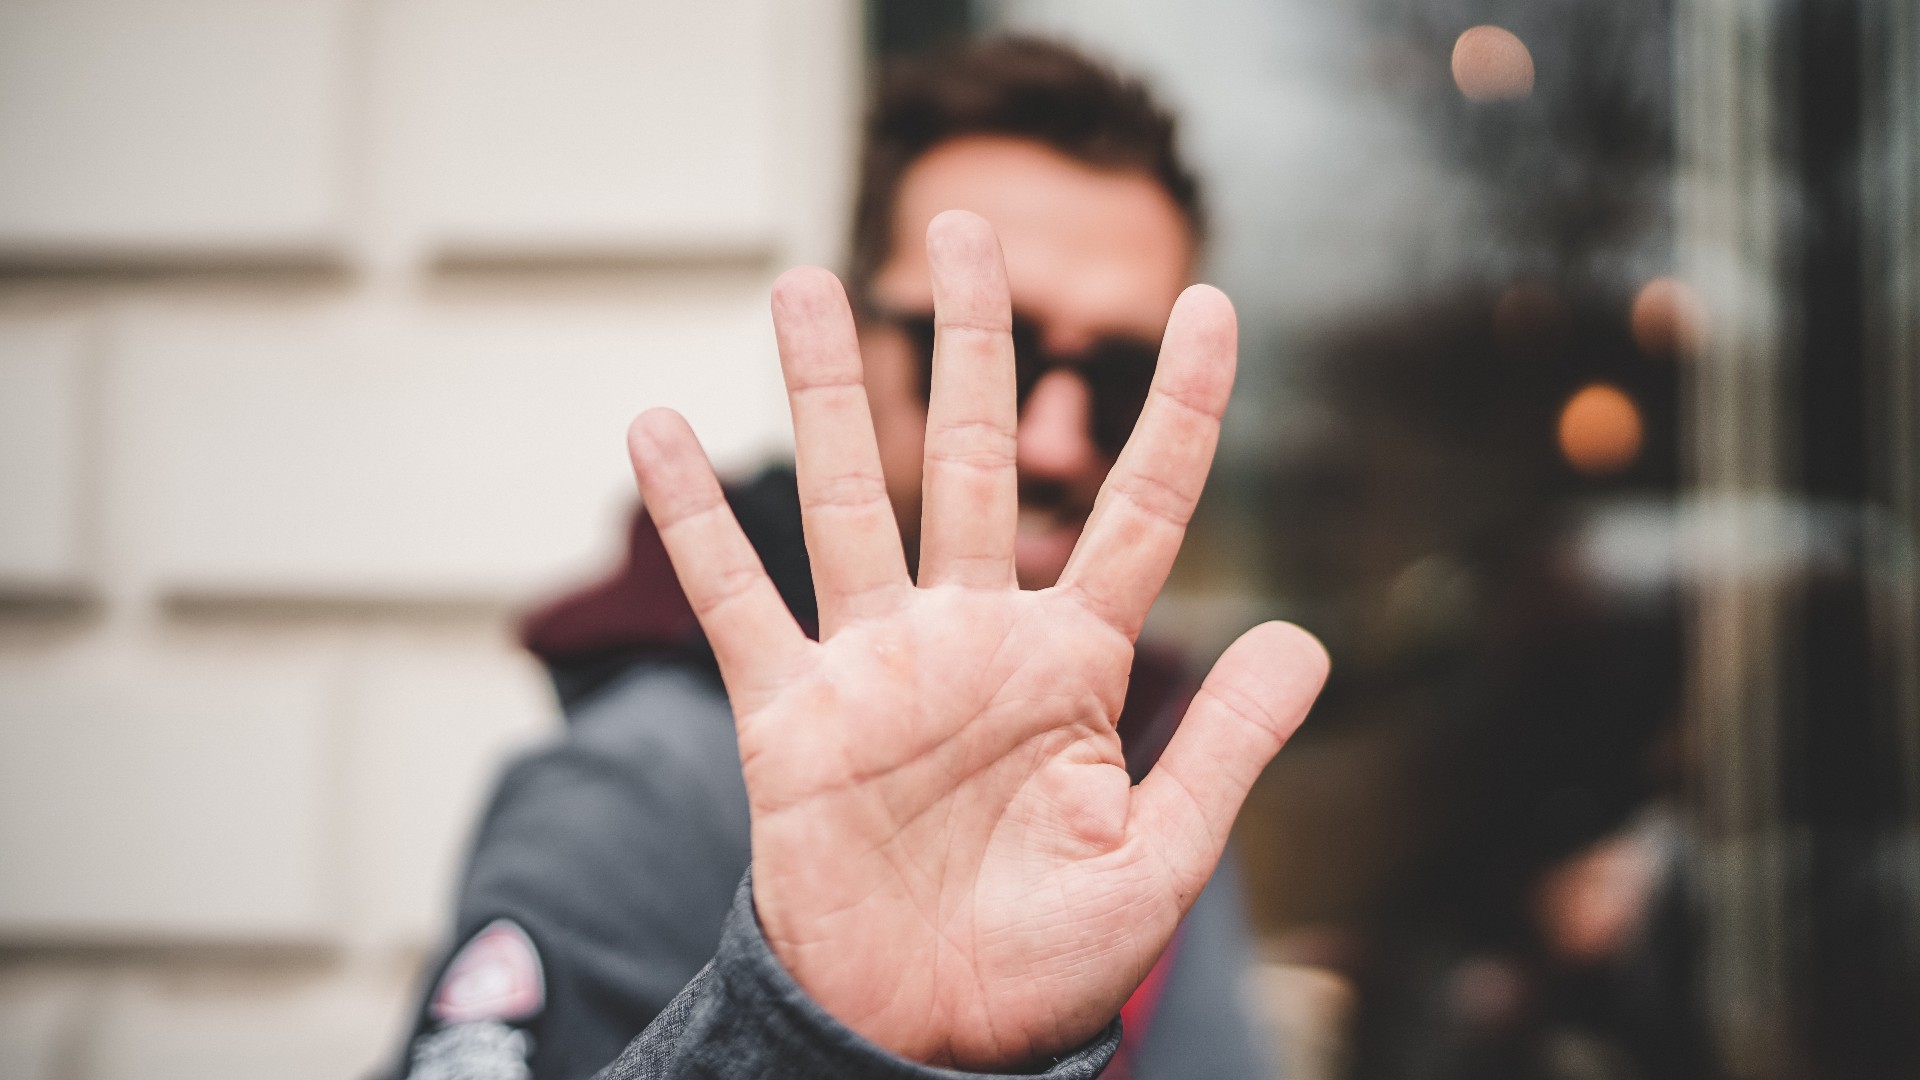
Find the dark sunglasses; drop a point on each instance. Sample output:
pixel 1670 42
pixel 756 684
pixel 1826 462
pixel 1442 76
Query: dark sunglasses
pixel 1117 371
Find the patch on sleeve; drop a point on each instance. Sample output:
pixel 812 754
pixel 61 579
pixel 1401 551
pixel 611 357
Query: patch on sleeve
pixel 484 1050
pixel 495 976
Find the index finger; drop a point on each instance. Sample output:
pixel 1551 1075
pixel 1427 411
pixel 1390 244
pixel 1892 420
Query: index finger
pixel 1141 515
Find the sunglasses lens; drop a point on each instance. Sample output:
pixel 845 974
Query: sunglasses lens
pixel 1029 364
pixel 1119 374
pixel 1026 345
pixel 1117 371
pixel 919 331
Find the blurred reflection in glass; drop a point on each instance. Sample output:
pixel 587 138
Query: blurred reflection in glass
pixel 1581 419
pixel 1600 430
pixel 1490 64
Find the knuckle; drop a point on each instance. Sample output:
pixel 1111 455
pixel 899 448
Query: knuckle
pixel 1247 709
pixel 827 380
pixel 974 324
pixel 1189 397
pixel 979 444
pixel 726 585
pixel 1157 498
pixel 849 490
pixel 1111 612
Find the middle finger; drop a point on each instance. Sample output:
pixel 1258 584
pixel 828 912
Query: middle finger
pixel 970 488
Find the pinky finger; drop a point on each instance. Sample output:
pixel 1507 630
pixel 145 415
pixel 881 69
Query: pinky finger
pixel 1250 704
pixel 754 636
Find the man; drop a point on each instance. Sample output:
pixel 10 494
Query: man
pixel 607 864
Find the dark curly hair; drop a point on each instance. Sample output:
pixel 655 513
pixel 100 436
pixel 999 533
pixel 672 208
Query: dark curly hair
pixel 1022 87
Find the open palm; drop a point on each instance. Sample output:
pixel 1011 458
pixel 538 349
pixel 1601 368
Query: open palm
pixel 947 852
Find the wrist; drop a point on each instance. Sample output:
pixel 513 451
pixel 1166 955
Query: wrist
pixel 760 985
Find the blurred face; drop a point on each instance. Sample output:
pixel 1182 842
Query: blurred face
pixel 1095 260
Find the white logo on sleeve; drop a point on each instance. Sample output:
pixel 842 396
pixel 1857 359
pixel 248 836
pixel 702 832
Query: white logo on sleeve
pixel 496 976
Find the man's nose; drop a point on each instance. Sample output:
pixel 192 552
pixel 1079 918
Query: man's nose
pixel 1055 435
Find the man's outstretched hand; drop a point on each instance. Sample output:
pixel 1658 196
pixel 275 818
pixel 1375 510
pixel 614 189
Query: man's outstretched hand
pixel 947 853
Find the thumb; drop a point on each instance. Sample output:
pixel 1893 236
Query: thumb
pixel 1249 705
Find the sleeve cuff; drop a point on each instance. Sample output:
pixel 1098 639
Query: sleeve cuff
pixel 744 1016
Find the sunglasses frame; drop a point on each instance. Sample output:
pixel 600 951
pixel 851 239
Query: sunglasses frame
pixel 1116 369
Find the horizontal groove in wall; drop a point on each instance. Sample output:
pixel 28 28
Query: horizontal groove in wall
pixel 505 260
pixel 239 950
pixel 36 601
pixel 318 265
pixel 270 605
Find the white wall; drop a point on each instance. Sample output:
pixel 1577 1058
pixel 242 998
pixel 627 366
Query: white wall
pixel 320 324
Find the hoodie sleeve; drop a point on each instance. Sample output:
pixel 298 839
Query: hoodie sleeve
pixel 744 1017
pixel 598 884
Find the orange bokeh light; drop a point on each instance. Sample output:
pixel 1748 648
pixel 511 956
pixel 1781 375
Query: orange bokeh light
pixel 1600 430
pixel 1491 64
pixel 1668 318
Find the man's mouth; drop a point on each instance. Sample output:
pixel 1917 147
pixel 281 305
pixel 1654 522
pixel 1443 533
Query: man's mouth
pixel 1047 520
pixel 1043 542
